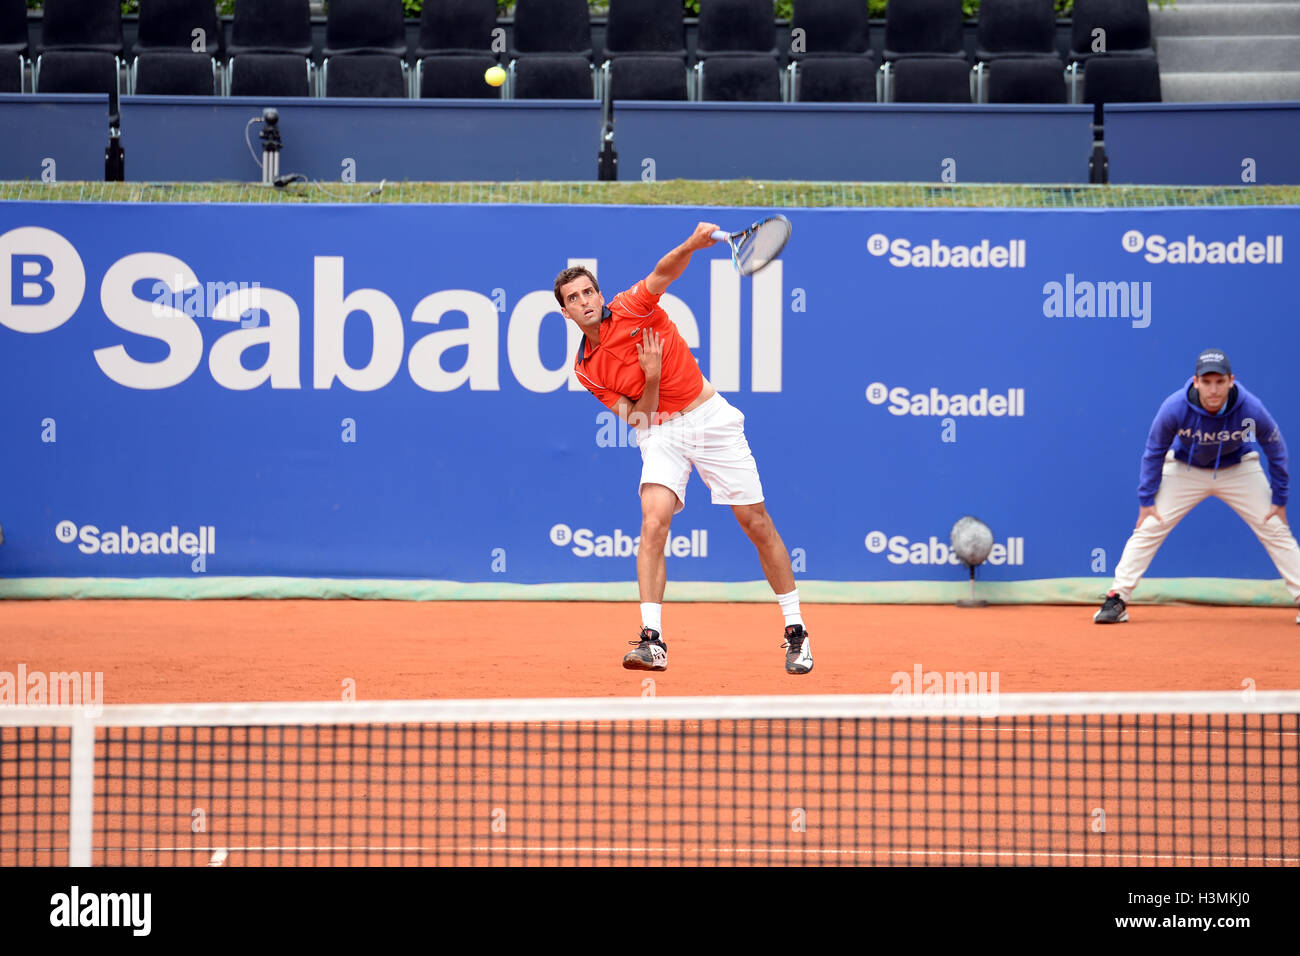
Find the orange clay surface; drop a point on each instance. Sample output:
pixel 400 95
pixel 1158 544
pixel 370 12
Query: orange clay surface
pixel 180 651
pixel 722 794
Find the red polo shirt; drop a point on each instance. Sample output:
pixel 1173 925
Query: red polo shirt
pixel 611 370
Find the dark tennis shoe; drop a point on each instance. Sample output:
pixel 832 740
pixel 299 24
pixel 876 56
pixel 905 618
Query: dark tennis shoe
pixel 649 654
pixel 1114 611
pixel 798 654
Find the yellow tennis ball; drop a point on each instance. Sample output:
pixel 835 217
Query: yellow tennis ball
pixel 494 76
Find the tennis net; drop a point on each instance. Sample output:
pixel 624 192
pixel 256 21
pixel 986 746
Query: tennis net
pixel 1174 779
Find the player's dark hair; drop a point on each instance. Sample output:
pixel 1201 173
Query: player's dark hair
pixel 568 275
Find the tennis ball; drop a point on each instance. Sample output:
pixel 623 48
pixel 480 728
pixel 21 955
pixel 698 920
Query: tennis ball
pixel 494 76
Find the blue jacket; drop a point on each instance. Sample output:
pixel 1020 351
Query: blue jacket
pixel 1215 441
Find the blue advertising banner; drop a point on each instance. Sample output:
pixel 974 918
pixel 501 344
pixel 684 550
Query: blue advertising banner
pixel 385 392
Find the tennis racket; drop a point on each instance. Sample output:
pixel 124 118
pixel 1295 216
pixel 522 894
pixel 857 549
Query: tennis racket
pixel 755 247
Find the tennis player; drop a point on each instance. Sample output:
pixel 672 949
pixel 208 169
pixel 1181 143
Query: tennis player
pixel 634 360
pixel 1210 423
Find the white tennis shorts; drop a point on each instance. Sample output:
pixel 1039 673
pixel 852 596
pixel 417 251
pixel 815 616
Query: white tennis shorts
pixel 712 439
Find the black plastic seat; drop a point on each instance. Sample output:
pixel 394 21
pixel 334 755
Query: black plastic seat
pixel 1017 40
pixel 633 77
pixel 923 30
pixel 168 33
pixel 81 50
pixel 736 55
pixel 365 49
pixel 1028 80
pixel 277 32
pixel 173 73
pixel 1118 79
pixel 552 49
pixel 1125 36
pixel 14 49
pixel 270 74
pixel 645 50
pixel 455 49
pixel 831 60
pixel 551 78
pixel 938 80
pixel 93 26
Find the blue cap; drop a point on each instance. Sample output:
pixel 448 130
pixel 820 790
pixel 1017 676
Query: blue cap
pixel 1213 360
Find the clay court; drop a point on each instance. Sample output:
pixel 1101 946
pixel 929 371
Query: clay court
pixel 177 651
pixel 1106 789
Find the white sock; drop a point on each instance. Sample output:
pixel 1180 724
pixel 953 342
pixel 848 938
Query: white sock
pixel 790 607
pixel 651 616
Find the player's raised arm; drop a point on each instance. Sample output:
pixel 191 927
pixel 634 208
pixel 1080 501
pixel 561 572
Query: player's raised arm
pixel 671 266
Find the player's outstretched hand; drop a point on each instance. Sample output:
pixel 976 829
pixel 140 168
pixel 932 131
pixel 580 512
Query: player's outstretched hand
pixel 1148 511
pixel 650 354
pixel 1280 511
pixel 702 237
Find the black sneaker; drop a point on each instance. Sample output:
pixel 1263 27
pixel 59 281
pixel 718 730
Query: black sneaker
pixel 650 653
pixel 1114 611
pixel 798 645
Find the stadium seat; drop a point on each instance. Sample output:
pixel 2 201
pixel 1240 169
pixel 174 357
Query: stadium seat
pixel 278 33
pixel 166 40
pixel 1022 81
pixel 551 78
pixel 552 47
pixel 455 49
pixel 78 71
pixel 1015 28
pixel 456 76
pixel 832 60
pixel 741 79
pixel 13 45
pixel 1116 79
pixel 89 25
pixel 1127 26
pixel 270 74
pixel 364 75
pixel 647 78
pixel 1125 34
pixel 81 50
pixel 736 55
pixel 173 73
pixel 939 80
pixel 645 51
pixel 1016 39
pixel 365 49
pixel 923 30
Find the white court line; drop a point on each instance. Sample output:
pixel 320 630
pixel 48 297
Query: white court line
pixel 1138 859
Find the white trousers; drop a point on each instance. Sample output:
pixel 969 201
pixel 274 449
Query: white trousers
pixel 1244 488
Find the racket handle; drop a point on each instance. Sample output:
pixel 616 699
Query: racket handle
pixel 720 236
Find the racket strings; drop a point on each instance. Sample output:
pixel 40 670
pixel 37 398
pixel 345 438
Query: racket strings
pixel 762 245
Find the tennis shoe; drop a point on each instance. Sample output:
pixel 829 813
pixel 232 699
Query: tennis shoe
pixel 649 654
pixel 798 654
pixel 1114 611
